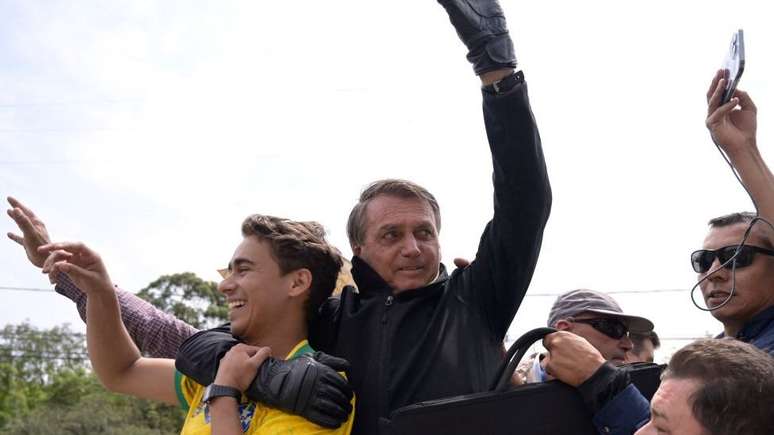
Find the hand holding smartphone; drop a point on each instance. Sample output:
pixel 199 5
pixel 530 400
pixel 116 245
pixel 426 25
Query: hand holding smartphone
pixel 733 65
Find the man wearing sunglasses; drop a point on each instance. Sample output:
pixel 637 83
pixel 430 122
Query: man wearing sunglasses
pixel 597 318
pixel 737 277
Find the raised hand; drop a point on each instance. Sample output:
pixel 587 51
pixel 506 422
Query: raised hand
pixel 81 264
pixel 34 232
pixel 480 24
pixel 732 128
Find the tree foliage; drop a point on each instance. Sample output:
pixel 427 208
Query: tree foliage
pixel 189 298
pixel 46 383
pixel 46 386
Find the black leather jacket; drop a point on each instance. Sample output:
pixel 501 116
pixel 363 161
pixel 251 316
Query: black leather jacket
pixel 444 339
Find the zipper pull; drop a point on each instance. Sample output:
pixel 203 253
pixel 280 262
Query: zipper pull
pixel 387 304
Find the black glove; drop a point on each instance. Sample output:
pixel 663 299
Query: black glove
pixel 481 26
pixel 308 386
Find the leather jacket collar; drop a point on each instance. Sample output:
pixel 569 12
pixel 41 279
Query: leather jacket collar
pixel 371 283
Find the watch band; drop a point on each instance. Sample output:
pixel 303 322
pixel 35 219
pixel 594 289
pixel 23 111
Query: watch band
pixel 505 84
pixel 213 390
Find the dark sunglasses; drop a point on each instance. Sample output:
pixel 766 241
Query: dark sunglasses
pixel 702 259
pixel 613 328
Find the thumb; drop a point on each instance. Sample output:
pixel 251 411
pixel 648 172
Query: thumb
pixel 16 238
pixel 82 277
pixel 337 364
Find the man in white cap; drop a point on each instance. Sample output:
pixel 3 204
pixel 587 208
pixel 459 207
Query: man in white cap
pixel 597 318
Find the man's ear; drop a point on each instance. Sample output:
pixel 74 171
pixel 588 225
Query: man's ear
pixel 563 325
pixel 356 249
pixel 300 283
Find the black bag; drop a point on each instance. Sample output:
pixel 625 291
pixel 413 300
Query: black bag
pixel 548 408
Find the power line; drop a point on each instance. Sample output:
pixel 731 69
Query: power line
pixel 614 292
pixel 618 292
pixel 27 289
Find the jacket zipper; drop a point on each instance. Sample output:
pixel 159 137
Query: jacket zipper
pixel 387 304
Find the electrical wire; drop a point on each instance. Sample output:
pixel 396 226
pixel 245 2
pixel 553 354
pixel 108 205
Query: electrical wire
pixel 731 260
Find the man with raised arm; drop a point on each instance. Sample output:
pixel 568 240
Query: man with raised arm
pixel 749 314
pixel 411 331
pixel 277 278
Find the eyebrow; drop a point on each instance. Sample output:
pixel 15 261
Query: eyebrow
pixel 238 262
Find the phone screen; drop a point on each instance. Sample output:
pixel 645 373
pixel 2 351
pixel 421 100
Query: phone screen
pixel 733 65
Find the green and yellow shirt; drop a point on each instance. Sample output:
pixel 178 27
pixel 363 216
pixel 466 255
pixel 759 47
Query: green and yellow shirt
pixel 255 418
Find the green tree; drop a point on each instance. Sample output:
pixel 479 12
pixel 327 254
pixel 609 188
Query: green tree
pixel 46 386
pixel 29 358
pixel 189 298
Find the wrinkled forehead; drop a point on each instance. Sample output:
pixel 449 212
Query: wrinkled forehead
pixel 397 211
pixel 718 237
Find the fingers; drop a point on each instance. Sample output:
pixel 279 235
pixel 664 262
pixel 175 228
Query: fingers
pixel 714 99
pixel 336 381
pixel 22 220
pixel 745 102
pixel 717 115
pixel 16 204
pixel 259 356
pixel 337 364
pixel 16 238
pixel 337 396
pixel 73 247
pixel 461 263
pixel 331 415
pixel 550 339
pixel 714 84
pixel 55 257
pixel 77 273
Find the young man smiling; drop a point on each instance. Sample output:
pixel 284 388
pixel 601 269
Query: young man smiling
pixel 411 331
pixel 277 278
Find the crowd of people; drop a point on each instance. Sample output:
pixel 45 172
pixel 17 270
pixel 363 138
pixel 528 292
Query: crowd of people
pixel 293 358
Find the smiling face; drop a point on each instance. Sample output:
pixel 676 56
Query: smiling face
pixel 259 296
pixel 754 283
pixel 671 410
pixel 401 241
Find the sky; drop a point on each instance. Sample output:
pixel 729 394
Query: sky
pixel 150 129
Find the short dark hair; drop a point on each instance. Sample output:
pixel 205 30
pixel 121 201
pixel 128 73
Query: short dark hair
pixel 738 218
pixel 736 385
pixel 299 245
pixel 638 339
pixel 731 219
pixel 393 187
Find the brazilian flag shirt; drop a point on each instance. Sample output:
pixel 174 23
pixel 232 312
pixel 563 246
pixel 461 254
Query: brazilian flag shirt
pixel 255 418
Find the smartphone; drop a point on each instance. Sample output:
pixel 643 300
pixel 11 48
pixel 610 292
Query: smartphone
pixel 733 65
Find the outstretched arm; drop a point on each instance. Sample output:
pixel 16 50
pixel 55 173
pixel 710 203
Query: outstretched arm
pixel 114 357
pixel 498 278
pixel 155 332
pixel 733 127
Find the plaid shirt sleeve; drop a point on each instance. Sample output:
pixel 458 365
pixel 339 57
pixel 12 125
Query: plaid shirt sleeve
pixel 156 333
